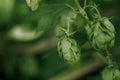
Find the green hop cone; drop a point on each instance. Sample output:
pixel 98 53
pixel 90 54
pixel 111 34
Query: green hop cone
pixel 107 74
pixel 68 49
pixel 108 25
pixel 110 73
pixel 116 74
pixel 101 34
pixel 33 4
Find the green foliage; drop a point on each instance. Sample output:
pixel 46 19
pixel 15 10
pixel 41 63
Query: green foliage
pixel 6 8
pixel 28 66
pixel 28 47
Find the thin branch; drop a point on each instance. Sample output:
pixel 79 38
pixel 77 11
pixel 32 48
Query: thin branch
pixel 80 71
pixel 41 46
pixel 38 47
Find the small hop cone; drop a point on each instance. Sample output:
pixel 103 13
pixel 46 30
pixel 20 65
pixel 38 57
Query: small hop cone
pixel 101 34
pixel 116 73
pixel 33 4
pixel 68 49
pixel 107 74
pixel 111 74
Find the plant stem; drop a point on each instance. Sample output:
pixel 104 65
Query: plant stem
pixel 81 10
pixel 110 62
pixel 68 26
pixel 99 15
pixel 69 6
pixel 85 1
pixel 78 5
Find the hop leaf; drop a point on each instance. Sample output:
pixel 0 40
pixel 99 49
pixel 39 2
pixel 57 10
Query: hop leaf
pixel 33 4
pixel 68 49
pixel 80 22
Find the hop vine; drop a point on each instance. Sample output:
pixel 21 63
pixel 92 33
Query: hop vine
pixel 99 30
pixel 101 35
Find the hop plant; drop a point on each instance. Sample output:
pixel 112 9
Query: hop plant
pixel 68 49
pixel 101 33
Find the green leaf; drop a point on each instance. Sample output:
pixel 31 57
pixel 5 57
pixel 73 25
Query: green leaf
pixel 64 17
pixel 50 14
pixel 28 66
pixel 80 22
pixel 6 8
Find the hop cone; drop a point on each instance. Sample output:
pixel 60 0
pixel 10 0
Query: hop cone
pixel 101 34
pixel 111 74
pixel 68 49
pixel 33 4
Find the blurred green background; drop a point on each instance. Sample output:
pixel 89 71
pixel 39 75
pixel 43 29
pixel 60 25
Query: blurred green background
pixel 28 45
